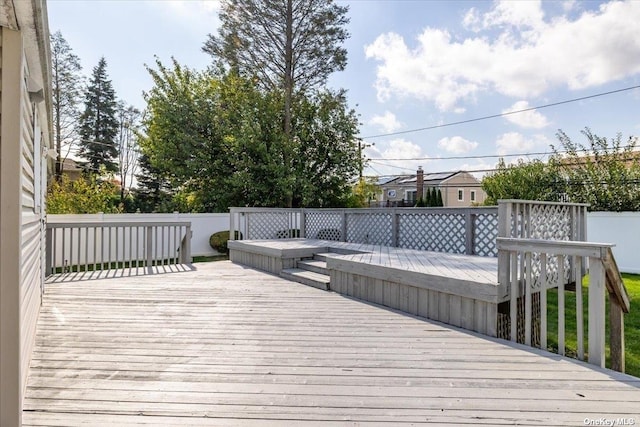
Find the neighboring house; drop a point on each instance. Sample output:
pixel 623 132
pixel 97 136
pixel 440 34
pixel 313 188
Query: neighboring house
pixel 458 189
pixel 71 169
pixel 25 119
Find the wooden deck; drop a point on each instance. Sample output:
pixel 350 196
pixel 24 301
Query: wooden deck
pixel 228 345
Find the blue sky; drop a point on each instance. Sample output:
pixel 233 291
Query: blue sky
pixel 416 64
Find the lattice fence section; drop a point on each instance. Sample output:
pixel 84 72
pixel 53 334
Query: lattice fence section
pixel 268 225
pixel 485 232
pixel 370 228
pixel 504 321
pixel 432 232
pixel 323 225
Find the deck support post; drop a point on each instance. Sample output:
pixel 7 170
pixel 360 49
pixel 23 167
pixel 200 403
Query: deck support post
pixel 616 335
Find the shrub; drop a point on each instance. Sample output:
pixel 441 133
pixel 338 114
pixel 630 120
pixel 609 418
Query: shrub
pixel 218 241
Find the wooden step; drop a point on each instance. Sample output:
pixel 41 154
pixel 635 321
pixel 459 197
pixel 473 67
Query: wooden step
pixel 315 265
pixel 309 278
pixel 322 256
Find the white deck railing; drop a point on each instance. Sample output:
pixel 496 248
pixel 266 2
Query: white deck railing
pixel 525 280
pixel 101 245
pixel 456 230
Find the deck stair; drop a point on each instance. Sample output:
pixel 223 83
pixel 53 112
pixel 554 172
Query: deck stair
pixel 310 272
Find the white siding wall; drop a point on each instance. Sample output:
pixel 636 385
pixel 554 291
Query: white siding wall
pixel 31 230
pixel 21 221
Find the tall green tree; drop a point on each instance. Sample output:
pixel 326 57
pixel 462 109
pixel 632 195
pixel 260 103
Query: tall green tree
pixel 98 123
pixel 603 172
pixel 289 46
pixel 524 180
pixel 217 138
pixel 66 82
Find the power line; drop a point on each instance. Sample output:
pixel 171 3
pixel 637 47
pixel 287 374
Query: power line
pixel 493 156
pixel 493 116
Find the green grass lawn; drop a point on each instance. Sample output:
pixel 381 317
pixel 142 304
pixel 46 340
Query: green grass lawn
pixel 631 323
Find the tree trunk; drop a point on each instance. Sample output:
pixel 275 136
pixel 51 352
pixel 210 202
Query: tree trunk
pixel 288 95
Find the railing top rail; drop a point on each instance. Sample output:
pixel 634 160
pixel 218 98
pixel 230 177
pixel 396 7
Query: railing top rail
pixel 615 284
pixel 77 224
pixel 537 202
pixel 487 209
pixel 555 247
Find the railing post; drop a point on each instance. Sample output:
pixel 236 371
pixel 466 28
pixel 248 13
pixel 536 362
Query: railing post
pixel 232 224
pixel 303 224
pixel 48 251
pixel 596 311
pixel 395 220
pixel 149 249
pixel 504 230
pixel 469 220
pixel 185 247
pixel 343 236
pixel 616 335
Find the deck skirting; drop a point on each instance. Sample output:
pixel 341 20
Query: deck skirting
pixel 468 313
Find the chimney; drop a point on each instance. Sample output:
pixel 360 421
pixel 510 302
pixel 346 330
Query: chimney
pixel 419 183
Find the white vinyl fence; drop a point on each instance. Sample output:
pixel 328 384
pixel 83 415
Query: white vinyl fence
pixel 622 229
pixel 619 228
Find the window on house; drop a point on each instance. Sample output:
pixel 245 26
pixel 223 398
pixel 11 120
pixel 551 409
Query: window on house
pixel 473 195
pixel 460 195
pixel 411 196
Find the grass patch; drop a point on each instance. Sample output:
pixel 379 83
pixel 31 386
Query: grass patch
pixel 631 323
pixel 222 257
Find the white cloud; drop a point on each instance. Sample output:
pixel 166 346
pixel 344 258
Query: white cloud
pixel 527 119
pixel 386 122
pixel 196 16
pixel 457 144
pixel 398 148
pixel 516 143
pixel 519 53
pixel 521 14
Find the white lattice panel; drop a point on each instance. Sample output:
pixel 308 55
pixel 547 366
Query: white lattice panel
pixel 485 232
pixel 268 225
pixel 432 232
pixel 546 222
pixel 370 228
pixel 323 225
pixel 550 222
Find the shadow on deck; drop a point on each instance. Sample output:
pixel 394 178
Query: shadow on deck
pixel 228 345
pixel 114 273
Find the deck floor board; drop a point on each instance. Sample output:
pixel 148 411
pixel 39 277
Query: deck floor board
pixel 227 345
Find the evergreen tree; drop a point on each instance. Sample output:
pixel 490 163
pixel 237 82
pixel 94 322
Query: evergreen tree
pixel 434 197
pixel 439 199
pixel 66 91
pixel 98 123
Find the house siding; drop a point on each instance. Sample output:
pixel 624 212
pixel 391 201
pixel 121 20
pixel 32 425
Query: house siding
pixel 463 181
pixel 31 228
pixel 22 186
